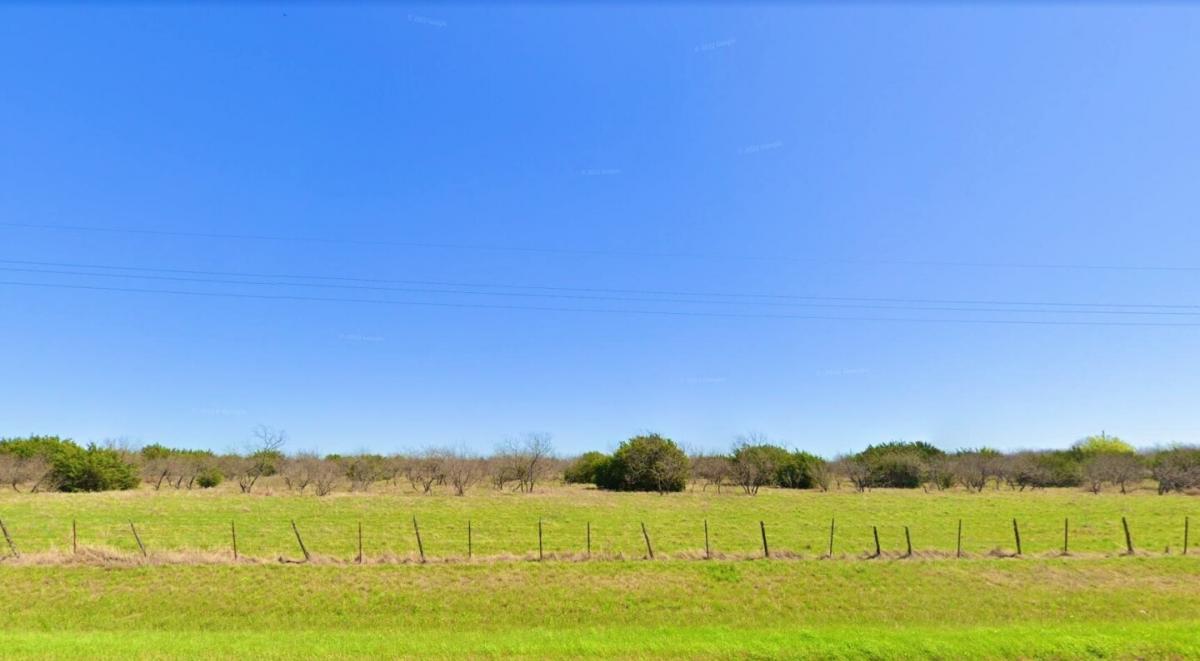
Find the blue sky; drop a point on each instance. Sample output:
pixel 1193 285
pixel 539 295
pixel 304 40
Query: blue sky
pixel 1044 154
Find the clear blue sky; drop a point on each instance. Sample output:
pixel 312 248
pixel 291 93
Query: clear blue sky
pixel 936 153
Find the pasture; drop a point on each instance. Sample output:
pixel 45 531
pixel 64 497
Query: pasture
pixel 505 524
pixel 188 598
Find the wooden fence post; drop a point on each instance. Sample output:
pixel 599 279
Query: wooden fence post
pixel 138 539
pixel 1128 538
pixel 539 540
pixel 470 550
pixel 766 550
pixel 75 539
pixel 958 544
pixel 832 521
pixel 11 547
pixel 303 549
pixel 359 560
pixel 233 534
pixel 908 541
pixel 708 553
pixel 1017 535
pixel 878 552
pixel 646 535
pixel 420 546
pixel 1186 521
pixel 1066 535
pixel 589 539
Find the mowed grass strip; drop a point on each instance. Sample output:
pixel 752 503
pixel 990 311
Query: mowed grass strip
pixel 505 523
pixel 982 608
pixel 1140 641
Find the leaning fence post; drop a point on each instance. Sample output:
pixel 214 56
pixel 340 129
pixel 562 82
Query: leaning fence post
pixel 958 544
pixel 646 535
pixel 233 534
pixel 303 549
pixel 1128 539
pixel 11 547
pixel 908 541
pixel 766 551
pixel 708 554
pixel 1017 535
pixel 832 521
pixel 137 538
pixel 420 546
pixel 878 552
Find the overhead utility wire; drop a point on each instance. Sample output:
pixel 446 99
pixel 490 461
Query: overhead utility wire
pixel 416 290
pixel 597 252
pixel 673 313
pixel 645 292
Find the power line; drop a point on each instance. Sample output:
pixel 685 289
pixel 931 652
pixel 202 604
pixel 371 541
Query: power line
pixel 600 253
pixel 417 290
pixel 639 292
pixel 673 313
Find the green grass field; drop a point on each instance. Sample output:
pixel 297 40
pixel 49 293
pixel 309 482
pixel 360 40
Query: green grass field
pixel 1097 603
pixel 505 524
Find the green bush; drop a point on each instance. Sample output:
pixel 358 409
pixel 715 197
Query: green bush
pixel 74 468
pixel 645 463
pixel 797 470
pixel 209 478
pixel 584 469
pixel 898 465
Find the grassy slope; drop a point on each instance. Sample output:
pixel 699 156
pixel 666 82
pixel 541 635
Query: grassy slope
pixel 507 523
pixel 971 608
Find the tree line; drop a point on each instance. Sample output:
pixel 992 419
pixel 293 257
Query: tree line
pixel 648 462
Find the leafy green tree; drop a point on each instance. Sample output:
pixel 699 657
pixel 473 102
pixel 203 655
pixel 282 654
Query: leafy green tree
pixel 585 468
pixel 645 463
pixel 898 464
pixel 74 468
pixel 1103 444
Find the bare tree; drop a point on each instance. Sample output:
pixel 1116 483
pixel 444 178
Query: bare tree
pixel 462 470
pixel 714 470
pixel 263 457
pixel 156 471
pixel 324 474
pixel 856 471
pixel 1116 468
pixel 300 471
pixel 974 469
pixel 424 470
pixel 16 471
pixel 823 475
pixel 939 472
pixel 529 458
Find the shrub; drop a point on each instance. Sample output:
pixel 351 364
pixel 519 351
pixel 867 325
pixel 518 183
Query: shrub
pixel 584 469
pixel 763 464
pixel 74 468
pixel 798 470
pixel 645 463
pixel 209 477
pixel 898 465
